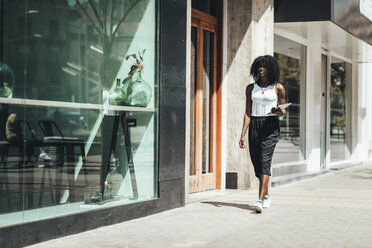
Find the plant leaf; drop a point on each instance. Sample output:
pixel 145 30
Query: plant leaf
pixel 126 79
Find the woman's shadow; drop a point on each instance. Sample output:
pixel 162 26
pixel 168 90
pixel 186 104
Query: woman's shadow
pixel 229 204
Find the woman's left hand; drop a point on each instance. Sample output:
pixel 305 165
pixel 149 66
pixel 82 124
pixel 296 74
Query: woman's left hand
pixel 278 111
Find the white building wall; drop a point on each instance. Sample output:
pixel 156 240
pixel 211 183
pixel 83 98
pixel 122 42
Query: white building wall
pixel 368 119
pixel 313 97
pixel 368 69
pixel 363 110
pixel 363 101
pixel 331 40
pixel 362 107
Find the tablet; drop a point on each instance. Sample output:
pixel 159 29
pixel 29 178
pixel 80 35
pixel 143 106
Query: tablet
pixel 282 106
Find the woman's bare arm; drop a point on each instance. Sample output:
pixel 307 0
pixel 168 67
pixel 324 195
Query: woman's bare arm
pixel 247 115
pixel 281 100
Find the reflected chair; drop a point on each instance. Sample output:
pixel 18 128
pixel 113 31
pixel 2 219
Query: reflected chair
pixel 24 142
pixel 4 180
pixel 46 169
pixel 54 137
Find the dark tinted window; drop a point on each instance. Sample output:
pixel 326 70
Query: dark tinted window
pixel 206 6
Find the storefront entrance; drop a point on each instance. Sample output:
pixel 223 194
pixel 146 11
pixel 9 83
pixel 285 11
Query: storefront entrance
pixel 335 121
pixel 204 102
pixel 324 118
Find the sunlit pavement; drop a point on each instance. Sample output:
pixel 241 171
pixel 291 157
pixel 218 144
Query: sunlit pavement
pixel 331 210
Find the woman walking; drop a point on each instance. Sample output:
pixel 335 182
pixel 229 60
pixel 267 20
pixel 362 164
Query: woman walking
pixel 262 98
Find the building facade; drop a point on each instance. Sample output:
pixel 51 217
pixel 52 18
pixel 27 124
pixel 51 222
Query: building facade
pixel 80 150
pixel 330 44
pixel 112 110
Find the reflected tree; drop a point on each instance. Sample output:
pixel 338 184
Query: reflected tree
pixel 289 76
pixel 290 79
pixel 338 84
pixel 106 17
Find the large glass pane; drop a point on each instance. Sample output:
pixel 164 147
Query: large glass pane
pixel 74 139
pixel 290 56
pixel 13 44
pixel 340 72
pixel 207 86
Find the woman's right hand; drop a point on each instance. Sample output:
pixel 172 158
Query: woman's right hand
pixel 242 144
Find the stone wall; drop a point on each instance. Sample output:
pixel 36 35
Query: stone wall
pixel 249 33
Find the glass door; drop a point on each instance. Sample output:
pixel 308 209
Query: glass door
pixel 324 130
pixel 204 100
pixel 292 63
pixel 340 110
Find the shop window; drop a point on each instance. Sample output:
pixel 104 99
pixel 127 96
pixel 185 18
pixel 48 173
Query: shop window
pixel 291 59
pixel 78 107
pixel 339 110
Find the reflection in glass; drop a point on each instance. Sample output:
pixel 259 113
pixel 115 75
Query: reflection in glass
pixel 206 6
pixel 338 111
pixel 13 53
pixel 6 81
pixel 64 149
pixel 290 56
pixel 207 81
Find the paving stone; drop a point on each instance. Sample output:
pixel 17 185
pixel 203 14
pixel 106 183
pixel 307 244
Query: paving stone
pixel 331 210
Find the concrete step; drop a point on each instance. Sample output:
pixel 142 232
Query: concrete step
pixel 280 180
pixel 287 169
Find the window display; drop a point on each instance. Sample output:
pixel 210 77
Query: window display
pixel 78 106
pixel 339 115
pixel 290 56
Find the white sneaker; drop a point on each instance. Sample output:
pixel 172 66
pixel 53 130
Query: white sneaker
pixel 258 206
pixel 266 201
pixel 44 156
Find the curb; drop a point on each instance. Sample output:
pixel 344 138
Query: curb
pixel 277 181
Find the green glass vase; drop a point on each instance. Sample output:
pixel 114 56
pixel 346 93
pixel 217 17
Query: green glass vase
pixel 117 96
pixel 113 181
pixel 137 92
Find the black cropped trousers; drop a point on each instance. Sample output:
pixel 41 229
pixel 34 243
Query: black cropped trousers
pixel 263 135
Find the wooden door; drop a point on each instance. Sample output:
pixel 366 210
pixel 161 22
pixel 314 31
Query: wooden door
pixel 204 100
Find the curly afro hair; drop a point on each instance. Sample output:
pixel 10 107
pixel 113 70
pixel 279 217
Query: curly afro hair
pixel 270 63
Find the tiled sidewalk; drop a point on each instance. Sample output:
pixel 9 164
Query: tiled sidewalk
pixel 332 210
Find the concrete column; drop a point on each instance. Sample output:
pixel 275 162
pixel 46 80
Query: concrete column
pixel 368 119
pixel 313 97
pixel 360 152
pixel 357 76
pixel 249 33
pixel 361 92
pixel 263 28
